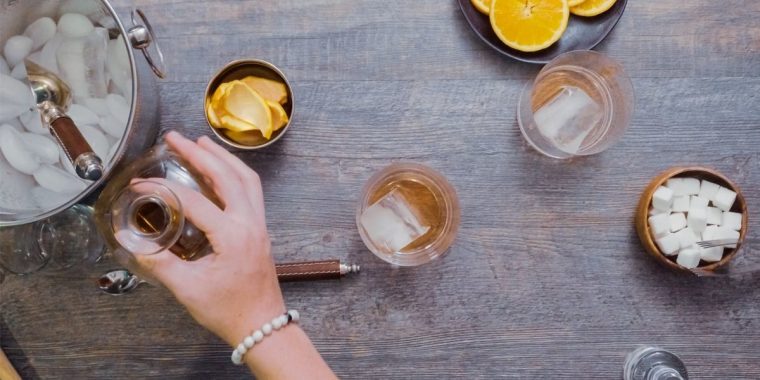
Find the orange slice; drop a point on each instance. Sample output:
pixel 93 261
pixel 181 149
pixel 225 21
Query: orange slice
pixel 590 8
pixel 279 116
pixel 572 3
pixel 529 25
pixel 248 106
pixel 250 138
pixel 483 6
pixel 268 89
pixel 213 119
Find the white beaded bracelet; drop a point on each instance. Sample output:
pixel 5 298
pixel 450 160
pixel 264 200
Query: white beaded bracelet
pixel 257 336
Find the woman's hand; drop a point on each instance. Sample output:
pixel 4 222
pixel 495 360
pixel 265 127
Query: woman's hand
pixel 234 289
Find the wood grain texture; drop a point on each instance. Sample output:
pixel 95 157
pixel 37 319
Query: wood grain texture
pixel 547 279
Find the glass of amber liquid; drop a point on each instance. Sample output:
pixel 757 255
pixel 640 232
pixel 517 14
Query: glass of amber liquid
pixel 138 214
pixel 408 214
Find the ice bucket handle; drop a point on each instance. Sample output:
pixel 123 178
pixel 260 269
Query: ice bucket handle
pixel 142 37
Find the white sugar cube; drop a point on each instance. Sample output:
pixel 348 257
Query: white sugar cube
pixel 724 199
pixel 714 216
pixel 681 203
pixel 689 258
pixel 711 254
pixel 698 202
pixel 697 219
pixel 668 244
pixel 720 233
pixel 690 186
pixel 708 190
pixel 709 233
pixel 686 238
pixel 662 198
pixel 653 211
pixel 732 220
pixel 677 185
pixel 659 224
pixel 677 221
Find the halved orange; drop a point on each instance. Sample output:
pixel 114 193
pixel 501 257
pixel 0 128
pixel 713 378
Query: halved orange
pixel 529 25
pixel 572 3
pixel 483 6
pixel 590 8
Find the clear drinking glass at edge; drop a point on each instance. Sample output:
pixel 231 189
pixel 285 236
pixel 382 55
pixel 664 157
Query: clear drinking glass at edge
pixel 60 241
pixel 580 104
pixel 653 363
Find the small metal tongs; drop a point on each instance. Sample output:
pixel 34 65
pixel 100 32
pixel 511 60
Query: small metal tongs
pixel 723 242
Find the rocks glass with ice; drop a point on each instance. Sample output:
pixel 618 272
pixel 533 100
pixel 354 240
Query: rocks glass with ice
pixel 408 214
pixel 580 104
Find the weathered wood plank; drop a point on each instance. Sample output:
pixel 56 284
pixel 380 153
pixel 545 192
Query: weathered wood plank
pixel 547 278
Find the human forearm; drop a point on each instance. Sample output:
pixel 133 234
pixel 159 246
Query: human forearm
pixel 287 354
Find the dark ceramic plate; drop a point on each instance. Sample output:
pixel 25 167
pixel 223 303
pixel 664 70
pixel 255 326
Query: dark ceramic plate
pixel 583 33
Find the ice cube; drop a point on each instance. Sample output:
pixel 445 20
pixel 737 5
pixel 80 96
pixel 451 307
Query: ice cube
pixel 16 152
pixel 4 68
pixel 118 107
pixel 19 72
pixel 96 139
pixel 65 162
pixel 14 188
pixel 117 65
pixel 81 62
pixel 391 223
pixel 112 126
pixel 82 115
pixel 568 118
pixel 84 7
pixel 42 146
pixel 15 98
pixel 112 152
pixel 57 180
pixel 74 25
pixel 49 54
pixel 47 199
pixel 96 105
pixel 40 31
pixel 32 121
pixel 16 49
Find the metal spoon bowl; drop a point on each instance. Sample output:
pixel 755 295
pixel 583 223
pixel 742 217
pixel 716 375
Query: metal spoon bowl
pixel 118 282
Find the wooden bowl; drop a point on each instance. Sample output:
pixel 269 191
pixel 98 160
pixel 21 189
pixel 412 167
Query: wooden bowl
pixel 642 216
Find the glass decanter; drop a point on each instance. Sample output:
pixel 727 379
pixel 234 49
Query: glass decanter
pixel 137 214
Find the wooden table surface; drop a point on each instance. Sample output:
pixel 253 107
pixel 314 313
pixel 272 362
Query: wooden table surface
pixel 547 279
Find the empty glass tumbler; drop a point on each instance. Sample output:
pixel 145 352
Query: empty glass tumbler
pixel 653 363
pixel 580 104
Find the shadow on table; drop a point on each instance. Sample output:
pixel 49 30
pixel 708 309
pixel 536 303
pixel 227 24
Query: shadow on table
pixel 15 354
